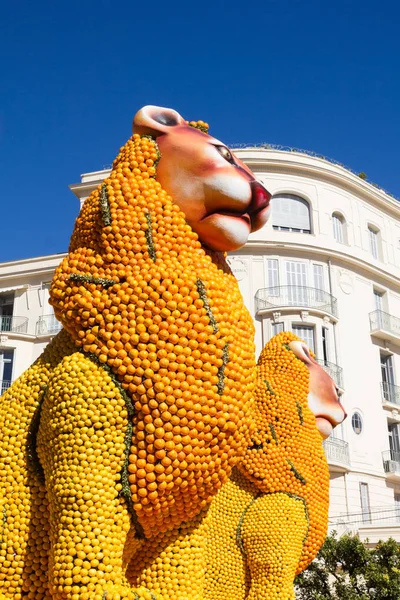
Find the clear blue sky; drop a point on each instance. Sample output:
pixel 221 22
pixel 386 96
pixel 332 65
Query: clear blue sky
pixel 319 75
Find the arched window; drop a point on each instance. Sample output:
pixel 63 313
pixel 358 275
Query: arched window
pixel 290 213
pixel 339 228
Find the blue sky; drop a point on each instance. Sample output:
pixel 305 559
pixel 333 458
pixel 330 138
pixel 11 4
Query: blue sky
pixel 323 76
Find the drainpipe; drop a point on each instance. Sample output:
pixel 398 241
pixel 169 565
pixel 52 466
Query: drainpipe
pixel 330 291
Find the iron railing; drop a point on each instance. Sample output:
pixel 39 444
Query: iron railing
pixel 295 295
pixel 4 385
pixel 391 461
pixel 333 371
pixel 337 451
pixel 13 324
pixel 378 319
pixel 390 392
pixel 372 515
pixel 47 324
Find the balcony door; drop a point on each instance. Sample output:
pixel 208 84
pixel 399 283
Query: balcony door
pixel 6 369
pixel 365 506
pixel 296 279
pixel 394 441
pixel 6 311
pixel 388 384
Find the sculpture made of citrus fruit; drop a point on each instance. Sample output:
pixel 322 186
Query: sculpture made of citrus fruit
pixel 138 410
pixel 269 519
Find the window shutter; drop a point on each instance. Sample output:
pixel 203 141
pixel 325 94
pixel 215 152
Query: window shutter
pixel 291 212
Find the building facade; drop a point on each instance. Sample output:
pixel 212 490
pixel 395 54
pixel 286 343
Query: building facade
pixel 327 267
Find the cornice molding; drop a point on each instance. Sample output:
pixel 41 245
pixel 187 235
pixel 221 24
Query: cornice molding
pixel 332 254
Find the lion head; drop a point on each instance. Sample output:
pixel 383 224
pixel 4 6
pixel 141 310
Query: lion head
pixel 220 197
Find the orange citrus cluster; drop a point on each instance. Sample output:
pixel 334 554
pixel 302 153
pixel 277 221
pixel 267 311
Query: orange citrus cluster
pixel 138 292
pixel 199 125
pixel 286 452
pixel 269 519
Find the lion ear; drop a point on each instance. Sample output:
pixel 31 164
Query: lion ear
pixel 300 349
pixel 155 120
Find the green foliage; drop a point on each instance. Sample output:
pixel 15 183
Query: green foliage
pixel 362 175
pixel 346 570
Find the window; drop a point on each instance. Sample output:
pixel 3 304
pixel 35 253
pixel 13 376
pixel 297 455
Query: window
pixel 365 507
pixel 338 432
pixel 6 311
pixel 306 334
pixel 374 241
pixel 394 441
pixel 273 276
pixel 356 423
pixel 379 301
pixel 276 328
pixel 290 213
pixel 318 273
pixel 6 369
pixel 388 383
pixel 339 228
pixel 325 345
pixel 378 298
pixel 296 278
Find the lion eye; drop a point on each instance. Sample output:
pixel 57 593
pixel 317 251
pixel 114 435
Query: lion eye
pixel 225 153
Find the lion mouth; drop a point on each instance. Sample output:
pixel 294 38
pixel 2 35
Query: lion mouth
pixel 325 425
pixel 260 201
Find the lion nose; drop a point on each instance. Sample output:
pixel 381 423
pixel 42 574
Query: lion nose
pixel 260 197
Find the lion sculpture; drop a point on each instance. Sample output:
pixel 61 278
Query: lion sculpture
pixel 135 414
pixel 139 457
pixel 269 520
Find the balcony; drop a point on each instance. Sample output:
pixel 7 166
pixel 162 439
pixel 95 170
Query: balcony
pixel 390 393
pixel 10 324
pixel 4 385
pixel 334 371
pixel 295 296
pixel 384 326
pixel 391 462
pixel 48 325
pixel 337 454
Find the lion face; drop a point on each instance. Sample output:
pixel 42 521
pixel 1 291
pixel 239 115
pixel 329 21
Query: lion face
pixel 323 399
pixel 220 197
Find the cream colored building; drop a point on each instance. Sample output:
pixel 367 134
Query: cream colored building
pixel 327 267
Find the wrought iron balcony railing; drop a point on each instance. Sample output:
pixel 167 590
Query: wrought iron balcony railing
pixel 337 451
pixel 47 324
pixel 333 371
pixel 295 295
pixel 391 461
pixel 380 320
pixel 13 324
pixel 390 392
pixel 375 515
pixel 4 385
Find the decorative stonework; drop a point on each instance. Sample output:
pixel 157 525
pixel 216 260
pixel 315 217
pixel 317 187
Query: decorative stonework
pixel 345 280
pixel 239 267
pixel 304 315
